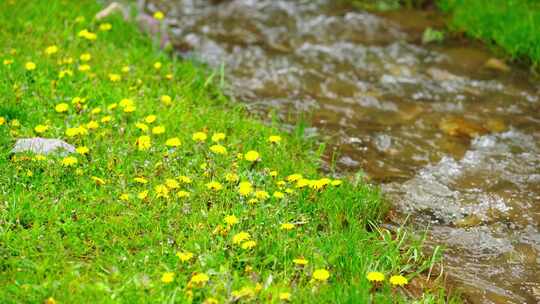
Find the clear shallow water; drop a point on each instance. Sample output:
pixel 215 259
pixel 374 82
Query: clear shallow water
pixel 454 144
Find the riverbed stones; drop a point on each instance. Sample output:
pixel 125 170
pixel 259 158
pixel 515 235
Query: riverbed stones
pixel 43 146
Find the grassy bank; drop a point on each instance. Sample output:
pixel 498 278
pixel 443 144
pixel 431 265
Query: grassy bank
pixel 174 194
pixel 510 25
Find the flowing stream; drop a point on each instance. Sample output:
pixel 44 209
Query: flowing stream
pixel 455 144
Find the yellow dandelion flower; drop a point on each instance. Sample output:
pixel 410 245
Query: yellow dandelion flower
pixel 248 245
pixel 142 195
pixel 125 102
pixel 278 195
pixel 199 136
pixel 232 177
pixel 82 150
pixel 231 220
pixel 184 256
pixel 287 226
pixel 167 277
pixel 218 149
pixel 2 120
pixel 41 129
pixel 166 100
pixel 50 300
pixel 30 66
pixel 214 186
pixel 61 107
pixel 144 143
pixel 217 137
pixel 211 301
pixel 300 261
pixel 114 77
pixel 173 142
pixel 106 119
pixel 284 296
pixel 294 177
pixel 274 139
pixel 245 188
pixel 124 197
pixel 85 57
pixel 200 278
pixel 157 65
pixel 125 69
pixel 252 156
pixel 158 130
pixel 8 61
pixel 104 27
pixel 150 119
pixel 161 191
pixel 130 109
pixel 375 276
pixel 92 125
pixel 184 179
pixel 398 280
pixel 50 50
pixel 321 275
pixel 336 182
pixel 241 237
pixel 172 183
pixel 159 15
pixel 84 68
pixel 182 194
pixel 261 195
pixel 141 126
pixel 69 161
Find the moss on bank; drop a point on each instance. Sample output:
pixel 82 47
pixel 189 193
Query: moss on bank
pixel 175 194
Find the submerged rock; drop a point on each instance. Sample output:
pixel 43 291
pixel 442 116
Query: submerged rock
pixel 44 146
pixel 496 64
pixel 461 127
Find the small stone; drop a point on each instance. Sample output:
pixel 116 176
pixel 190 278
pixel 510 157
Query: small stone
pixel 461 127
pixel 496 64
pixel 43 146
pixel 469 221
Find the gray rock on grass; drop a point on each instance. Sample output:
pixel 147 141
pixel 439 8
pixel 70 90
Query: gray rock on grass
pixel 44 146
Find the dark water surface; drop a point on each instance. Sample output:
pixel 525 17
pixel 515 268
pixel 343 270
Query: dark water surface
pixel 454 143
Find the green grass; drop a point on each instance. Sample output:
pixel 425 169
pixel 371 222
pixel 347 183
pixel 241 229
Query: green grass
pixel 510 24
pixel 83 233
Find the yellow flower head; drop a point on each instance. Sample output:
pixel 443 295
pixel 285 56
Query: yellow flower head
pixel 284 296
pixel 69 161
pixel 261 195
pixel 98 181
pixel 275 139
pixel 166 100
pixel 161 191
pixel 159 15
pixel 144 143
pixel 172 183
pixel 294 177
pixel 82 150
pixel 241 237
pixel 84 68
pixel 214 186
pixel 231 177
pixel 173 142
pixel 158 130
pixel 104 27
pixel 252 156
pixel 167 277
pixel 53 49
pixel 157 65
pixel 375 276
pixel 142 195
pixel 182 194
pixel 245 188
pixel 114 77
pixel 199 136
pixel 150 118
pixel 287 226
pixel 248 245
pixel 41 129
pixel 140 180
pixel 85 57
pixel 231 220
pixel 217 137
pixel 200 278
pixel 300 261
pixel 184 256
pixel 92 125
pixel 126 69
pixel 141 126
pixel 30 66
pixel 218 149
pixel 184 179
pixel 321 275
pixel 278 195
pixel 398 280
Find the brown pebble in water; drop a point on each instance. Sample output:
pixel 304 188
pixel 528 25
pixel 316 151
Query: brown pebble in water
pixel 461 127
pixel 496 64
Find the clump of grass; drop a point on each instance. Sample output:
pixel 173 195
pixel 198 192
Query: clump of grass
pixel 175 194
pixel 511 25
